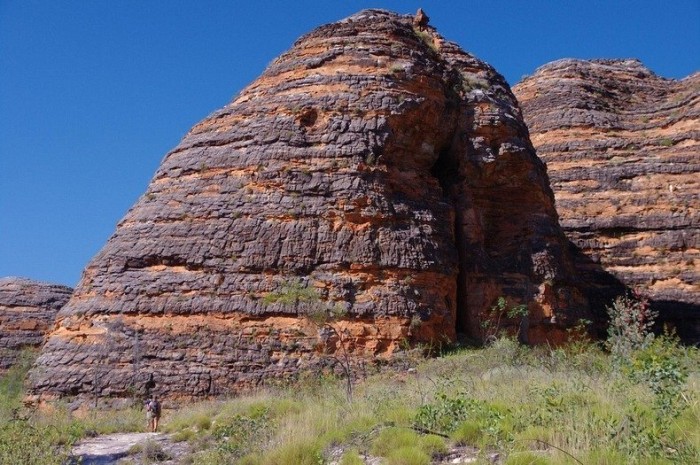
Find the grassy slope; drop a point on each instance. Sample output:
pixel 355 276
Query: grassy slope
pixel 532 405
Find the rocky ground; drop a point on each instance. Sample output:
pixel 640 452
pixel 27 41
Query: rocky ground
pixel 145 448
pixel 129 449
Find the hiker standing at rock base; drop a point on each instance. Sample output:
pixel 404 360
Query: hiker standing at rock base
pixel 153 413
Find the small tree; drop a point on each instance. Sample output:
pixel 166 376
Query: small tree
pixel 324 317
pixel 629 328
pixel 492 319
pixel 327 319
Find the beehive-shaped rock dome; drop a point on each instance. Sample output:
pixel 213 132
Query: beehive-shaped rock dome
pixel 374 170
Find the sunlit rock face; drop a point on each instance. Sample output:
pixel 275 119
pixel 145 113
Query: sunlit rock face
pixel 373 170
pixel 622 147
pixel 27 312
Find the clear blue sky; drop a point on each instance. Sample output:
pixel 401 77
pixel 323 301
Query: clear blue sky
pixel 93 93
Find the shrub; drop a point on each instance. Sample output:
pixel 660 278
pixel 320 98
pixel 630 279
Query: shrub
pixel 444 415
pixel 660 366
pixel 629 328
pixel 24 443
pixel 492 320
pixel 478 419
pixel 241 434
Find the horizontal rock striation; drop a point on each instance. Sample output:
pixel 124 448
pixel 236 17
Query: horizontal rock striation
pixel 622 147
pixel 27 312
pixel 374 172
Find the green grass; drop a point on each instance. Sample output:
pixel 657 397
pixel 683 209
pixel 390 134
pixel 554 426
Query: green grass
pixel 351 457
pixel 531 405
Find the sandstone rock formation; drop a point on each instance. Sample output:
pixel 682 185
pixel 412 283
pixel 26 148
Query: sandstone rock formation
pixel 622 147
pixel 373 170
pixel 27 312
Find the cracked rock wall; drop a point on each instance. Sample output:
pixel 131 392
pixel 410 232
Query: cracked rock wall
pixel 371 170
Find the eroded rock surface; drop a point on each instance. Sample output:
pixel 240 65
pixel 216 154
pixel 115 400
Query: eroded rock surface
pixel 622 147
pixel 372 169
pixel 27 312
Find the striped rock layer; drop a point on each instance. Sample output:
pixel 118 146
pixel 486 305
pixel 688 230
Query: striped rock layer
pixel 622 147
pixel 27 313
pixel 373 172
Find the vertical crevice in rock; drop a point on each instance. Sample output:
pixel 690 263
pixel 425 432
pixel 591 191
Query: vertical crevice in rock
pixel 446 170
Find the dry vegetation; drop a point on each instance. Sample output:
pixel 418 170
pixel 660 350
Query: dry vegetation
pixel 576 405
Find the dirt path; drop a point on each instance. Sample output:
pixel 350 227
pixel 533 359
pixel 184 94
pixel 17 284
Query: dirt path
pixel 114 448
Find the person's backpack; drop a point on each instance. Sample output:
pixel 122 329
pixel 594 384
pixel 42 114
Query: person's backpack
pixel 154 406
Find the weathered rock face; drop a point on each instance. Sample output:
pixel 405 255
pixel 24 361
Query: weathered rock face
pixel 27 312
pixel 622 147
pixel 370 169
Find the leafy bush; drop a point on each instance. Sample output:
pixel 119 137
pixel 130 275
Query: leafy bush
pixel 660 366
pixel 629 328
pixel 241 434
pixel 466 418
pixel 445 414
pixel 492 321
